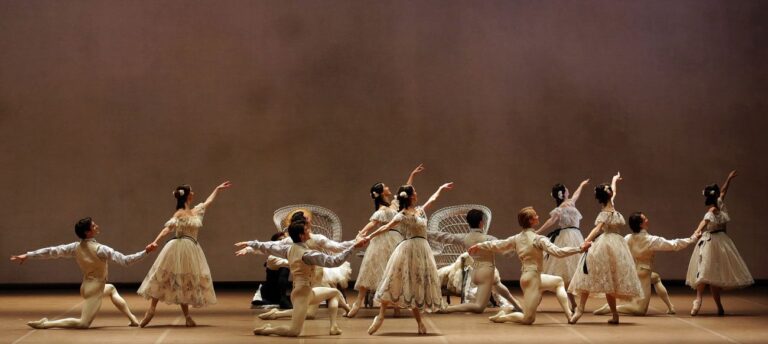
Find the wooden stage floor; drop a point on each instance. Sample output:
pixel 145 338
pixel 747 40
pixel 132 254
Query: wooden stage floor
pixel 231 321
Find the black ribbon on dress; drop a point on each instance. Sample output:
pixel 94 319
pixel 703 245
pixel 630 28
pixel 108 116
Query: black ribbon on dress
pixel 184 237
pixel 554 234
pixel 701 244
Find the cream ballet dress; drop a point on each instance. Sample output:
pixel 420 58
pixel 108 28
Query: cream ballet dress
pixel 607 267
pixel 378 252
pixel 180 274
pixel 410 278
pixel 567 234
pixel 715 260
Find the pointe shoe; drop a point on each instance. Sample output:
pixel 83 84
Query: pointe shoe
pixel 377 321
pixel 352 311
pixel 671 310
pixel 268 315
pixel 576 316
pixel 258 331
pixel 335 331
pixel 190 322
pixel 38 324
pixel 147 318
pixel 498 319
pixel 614 320
pixel 422 328
pixel 494 317
pixel 695 308
pixel 720 311
pixel 134 321
pixel 134 324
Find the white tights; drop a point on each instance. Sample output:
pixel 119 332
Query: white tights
pixel 92 291
pixel 304 297
pixel 534 284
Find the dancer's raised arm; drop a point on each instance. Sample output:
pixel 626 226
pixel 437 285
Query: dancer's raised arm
pixel 614 182
pixel 383 229
pixel 551 221
pixel 215 192
pixel 413 174
pixel 727 183
pixel 577 193
pixel 436 195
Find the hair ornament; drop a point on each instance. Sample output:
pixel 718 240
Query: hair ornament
pixel 560 195
pixel 375 194
pixel 181 192
pixel 403 194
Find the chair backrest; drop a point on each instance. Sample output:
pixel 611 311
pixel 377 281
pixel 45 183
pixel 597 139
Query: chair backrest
pixel 454 220
pixel 324 221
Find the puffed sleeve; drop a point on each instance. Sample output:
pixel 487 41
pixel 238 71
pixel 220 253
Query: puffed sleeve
pixel 446 238
pixel 199 209
pixel 379 216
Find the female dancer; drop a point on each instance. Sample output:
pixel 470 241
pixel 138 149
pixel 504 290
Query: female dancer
pixel 716 261
pixel 303 261
pixel 565 217
pixel 530 248
pixel 484 271
pixel 643 247
pixel 380 248
pixel 608 268
pixel 180 274
pixel 410 278
pixel 92 258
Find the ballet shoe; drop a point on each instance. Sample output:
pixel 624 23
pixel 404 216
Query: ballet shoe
pixel 576 316
pixel 422 328
pixel 353 311
pixel 720 311
pixel 614 320
pixel 377 321
pixel 497 319
pixel 671 310
pixel 258 331
pixel 133 324
pixel 147 318
pixel 38 324
pixel 335 331
pixel 190 322
pixel 268 315
pixel 494 317
pixel 695 308
pixel 602 310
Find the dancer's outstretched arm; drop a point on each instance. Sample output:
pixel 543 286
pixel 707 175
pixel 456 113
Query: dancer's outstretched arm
pixel 498 246
pixel 614 183
pixel 413 174
pixel 276 248
pixel 727 183
pixel 329 261
pixel 215 192
pixel 383 229
pixel 436 195
pixel 551 221
pixel 53 252
pixel 106 252
pixel 555 251
pixel 446 238
pixel 577 193
pixel 657 243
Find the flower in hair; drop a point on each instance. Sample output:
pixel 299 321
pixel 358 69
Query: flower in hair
pixel 375 194
pixel 712 192
pixel 403 194
pixel 560 195
pixel 181 192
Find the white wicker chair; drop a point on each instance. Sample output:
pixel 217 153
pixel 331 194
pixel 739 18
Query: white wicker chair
pixel 324 221
pixel 454 220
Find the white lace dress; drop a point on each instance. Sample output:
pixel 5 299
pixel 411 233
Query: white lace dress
pixel 567 234
pixel 610 268
pixel 715 260
pixel 378 251
pixel 410 278
pixel 180 274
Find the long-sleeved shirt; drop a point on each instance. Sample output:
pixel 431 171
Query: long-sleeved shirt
pixel 312 257
pixel 84 251
pixel 530 248
pixel 643 247
pixel 273 262
pixel 481 258
pixel 321 243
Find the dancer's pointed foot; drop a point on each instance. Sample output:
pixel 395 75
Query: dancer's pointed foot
pixel 134 321
pixel 147 317
pixel 614 320
pixel 720 311
pixel 671 310
pixel 38 324
pixel 695 308
pixel 576 316
pixel 498 319
pixel 259 330
pixel 494 317
pixel 353 311
pixel 377 321
pixel 190 322
pixel 268 315
pixel 335 330
pixel 422 328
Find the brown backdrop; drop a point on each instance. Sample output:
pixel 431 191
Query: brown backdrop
pixel 106 106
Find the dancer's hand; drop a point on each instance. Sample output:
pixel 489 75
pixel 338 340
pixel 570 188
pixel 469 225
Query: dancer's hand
pixel 584 182
pixel 446 186
pixel 585 246
pixel 241 244
pixel 472 249
pixel 417 170
pixel 224 185
pixel 732 175
pixel 20 258
pixel 241 252
pixel 151 247
pixel 360 242
pixel 617 177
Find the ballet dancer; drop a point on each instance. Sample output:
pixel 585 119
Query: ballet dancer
pixel 715 261
pixel 180 274
pixel 530 248
pixel 643 247
pixel 565 218
pixel 410 278
pixel 275 290
pixel 380 248
pixel 92 257
pixel 303 262
pixel 608 268
pixel 483 265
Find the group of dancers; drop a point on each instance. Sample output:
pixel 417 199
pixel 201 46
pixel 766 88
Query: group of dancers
pixel 400 267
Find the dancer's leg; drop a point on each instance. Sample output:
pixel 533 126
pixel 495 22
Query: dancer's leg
pixel 417 315
pixel 300 297
pixel 185 310
pixel 716 295
pixel 697 302
pixel 611 298
pixel 556 285
pixel 92 292
pixel 580 309
pixel 150 313
pixel 379 319
pixel 335 299
pixel 530 282
pixel 661 290
pixel 119 302
pixel 637 306
pixel 362 292
pixel 483 278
